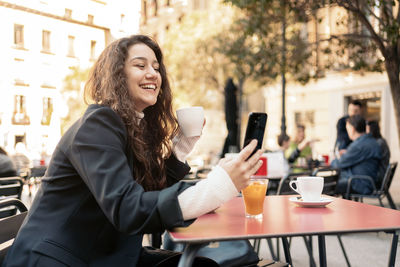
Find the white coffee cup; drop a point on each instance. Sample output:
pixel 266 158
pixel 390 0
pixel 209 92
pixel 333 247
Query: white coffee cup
pixel 191 120
pixel 309 187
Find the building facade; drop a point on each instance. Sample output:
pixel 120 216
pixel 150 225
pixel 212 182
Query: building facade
pixel 42 40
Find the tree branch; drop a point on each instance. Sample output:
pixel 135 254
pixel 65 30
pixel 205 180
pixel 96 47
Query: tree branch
pixel 388 15
pixel 349 36
pixel 358 36
pixel 381 21
pixel 367 24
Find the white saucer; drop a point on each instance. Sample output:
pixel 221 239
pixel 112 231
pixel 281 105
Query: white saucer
pixel 320 203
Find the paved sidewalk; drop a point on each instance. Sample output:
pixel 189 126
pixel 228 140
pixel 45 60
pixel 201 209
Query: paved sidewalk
pixel 363 250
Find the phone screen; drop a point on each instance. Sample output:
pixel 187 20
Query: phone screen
pixel 255 129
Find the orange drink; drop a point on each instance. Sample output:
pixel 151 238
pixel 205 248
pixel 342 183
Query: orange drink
pixel 253 196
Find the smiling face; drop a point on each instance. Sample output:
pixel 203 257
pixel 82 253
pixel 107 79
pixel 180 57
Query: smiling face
pixel 143 76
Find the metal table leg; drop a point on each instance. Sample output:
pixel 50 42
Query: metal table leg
pixel 322 251
pixel 286 250
pixel 189 254
pixel 343 250
pixel 393 251
pixel 271 249
pixel 308 243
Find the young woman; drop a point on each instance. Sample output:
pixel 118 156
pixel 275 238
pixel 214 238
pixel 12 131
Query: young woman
pixel 113 176
pixel 374 129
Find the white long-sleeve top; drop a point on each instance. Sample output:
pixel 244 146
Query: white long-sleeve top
pixel 207 194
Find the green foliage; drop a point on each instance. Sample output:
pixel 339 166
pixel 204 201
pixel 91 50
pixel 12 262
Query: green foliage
pixel 196 69
pixel 72 92
pixel 258 51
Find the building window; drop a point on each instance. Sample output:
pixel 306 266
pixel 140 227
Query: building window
pixel 122 23
pixel 46 41
pixel 20 117
pixel 92 49
pixel 196 4
pixel 19 35
pixel 152 8
pixel 71 50
pixel 90 19
pixel 143 17
pixel 68 13
pixel 165 3
pixel 47 110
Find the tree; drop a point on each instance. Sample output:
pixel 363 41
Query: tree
pixel 72 92
pixel 370 41
pixel 379 30
pixel 197 70
pixel 272 44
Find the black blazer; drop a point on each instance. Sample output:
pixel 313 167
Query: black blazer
pixel 89 210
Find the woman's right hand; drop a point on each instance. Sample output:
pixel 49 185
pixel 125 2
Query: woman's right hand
pixel 240 168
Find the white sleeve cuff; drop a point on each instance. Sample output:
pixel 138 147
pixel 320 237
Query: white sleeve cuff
pixel 182 145
pixel 207 194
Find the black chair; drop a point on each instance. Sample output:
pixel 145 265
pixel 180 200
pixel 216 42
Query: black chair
pixel 284 188
pixel 331 177
pixel 9 226
pixel 377 193
pixel 10 187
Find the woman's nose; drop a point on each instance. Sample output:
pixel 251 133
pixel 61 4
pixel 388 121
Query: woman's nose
pixel 151 73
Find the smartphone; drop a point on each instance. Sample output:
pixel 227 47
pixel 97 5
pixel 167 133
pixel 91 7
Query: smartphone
pixel 255 129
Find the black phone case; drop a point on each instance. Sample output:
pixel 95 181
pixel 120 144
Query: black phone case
pixel 255 129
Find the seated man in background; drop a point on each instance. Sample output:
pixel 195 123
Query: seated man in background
pixel 362 157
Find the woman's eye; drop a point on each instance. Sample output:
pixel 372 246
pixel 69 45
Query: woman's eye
pixel 139 66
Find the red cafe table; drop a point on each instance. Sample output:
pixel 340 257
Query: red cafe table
pixel 282 218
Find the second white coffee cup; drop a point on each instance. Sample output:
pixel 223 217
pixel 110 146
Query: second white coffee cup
pixel 191 120
pixel 309 187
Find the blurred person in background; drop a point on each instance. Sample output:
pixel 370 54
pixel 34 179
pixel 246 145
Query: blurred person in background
pixel 362 157
pixel 284 142
pixel 21 160
pixel 7 167
pixel 115 173
pixel 342 138
pixel 299 152
pixel 374 130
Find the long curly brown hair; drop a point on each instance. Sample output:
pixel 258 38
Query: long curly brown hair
pixel 149 138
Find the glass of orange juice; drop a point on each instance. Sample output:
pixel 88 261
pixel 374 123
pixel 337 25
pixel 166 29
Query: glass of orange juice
pixel 253 196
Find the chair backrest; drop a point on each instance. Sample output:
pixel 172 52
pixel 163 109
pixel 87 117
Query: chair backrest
pixel 284 188
pixel 10 187
pixel 331 176
pixel 388 178
pixel 9 226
